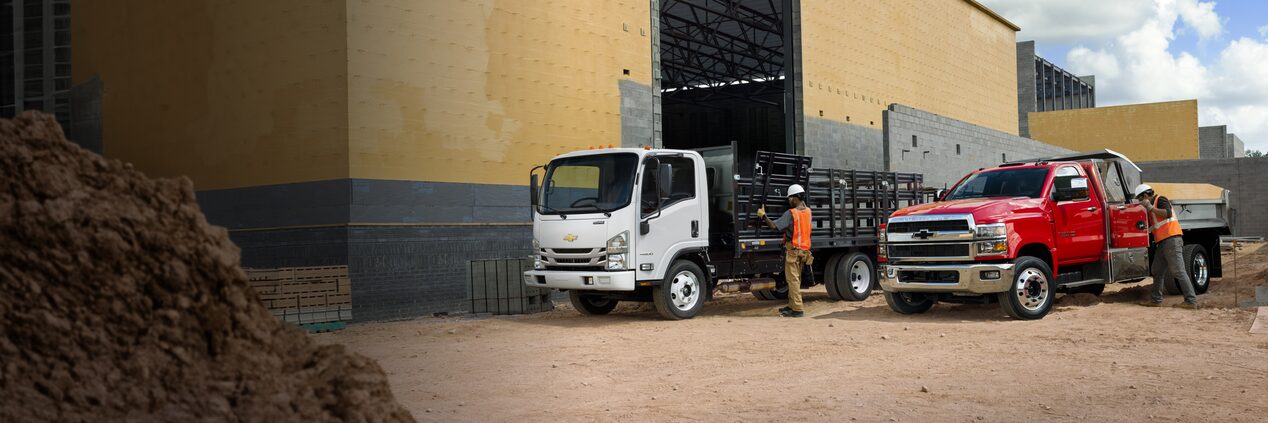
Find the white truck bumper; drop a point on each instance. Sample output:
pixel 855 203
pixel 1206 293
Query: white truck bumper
pixel 590 281
pixel 963 278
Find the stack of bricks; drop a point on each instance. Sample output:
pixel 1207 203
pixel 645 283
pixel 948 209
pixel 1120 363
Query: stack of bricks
pixel 305 295
pixel 497 287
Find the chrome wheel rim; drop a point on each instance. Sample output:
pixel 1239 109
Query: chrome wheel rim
pixel 860 277
pixel 684 290
pixel 1201 274
pixel 1031 288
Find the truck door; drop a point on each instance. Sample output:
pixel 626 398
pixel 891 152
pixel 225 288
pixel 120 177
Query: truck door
pixel 674 221
pixel 1080 228
pixel 1127 218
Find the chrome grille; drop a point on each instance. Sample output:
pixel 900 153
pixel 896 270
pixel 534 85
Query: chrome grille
pixel 931 225
pixel 574 257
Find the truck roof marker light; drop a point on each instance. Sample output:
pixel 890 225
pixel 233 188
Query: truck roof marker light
pixel 609 145
pixel 647 147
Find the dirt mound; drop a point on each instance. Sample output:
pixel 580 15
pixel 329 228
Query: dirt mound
pixel 120 302
pixel 1078 300
pixel 1242 274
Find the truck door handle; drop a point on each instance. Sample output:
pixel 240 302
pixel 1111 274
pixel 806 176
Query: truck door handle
pixel 695 229
pixel 1121 207
pixel 1091 209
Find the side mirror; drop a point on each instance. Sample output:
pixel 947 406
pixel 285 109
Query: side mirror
pixel 1077 190
pixel 664 173
pixel 532 190
pixel 939 195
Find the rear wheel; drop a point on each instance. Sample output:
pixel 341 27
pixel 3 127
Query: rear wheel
pixel 909 302
pixel 681 294
pixel 591 305
pixel 1031 295
pixel 855 277
pixel 779 293
pixel 830 277
pixel 1198 264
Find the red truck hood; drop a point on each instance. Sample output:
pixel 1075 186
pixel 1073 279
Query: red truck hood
pixel 984 210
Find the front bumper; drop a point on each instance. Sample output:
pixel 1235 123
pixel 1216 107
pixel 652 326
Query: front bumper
pixel 969 278
pixel 590 281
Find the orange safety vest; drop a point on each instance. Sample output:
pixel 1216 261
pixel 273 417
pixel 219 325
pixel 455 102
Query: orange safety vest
pixel 801 229
pixel 1166 228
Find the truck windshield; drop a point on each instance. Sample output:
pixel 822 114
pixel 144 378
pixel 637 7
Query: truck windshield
pixel 589 184
pixel 1025 182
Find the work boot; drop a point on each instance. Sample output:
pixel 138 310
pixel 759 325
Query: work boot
pixel 784 309
pixel 1149 304
pixel 788 312
pixel 1187 306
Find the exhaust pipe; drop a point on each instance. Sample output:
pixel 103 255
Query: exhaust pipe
pixel 745 285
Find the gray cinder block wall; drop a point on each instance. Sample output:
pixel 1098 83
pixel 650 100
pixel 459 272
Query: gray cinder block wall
pixel 1212 142
pixel 1235 147
pixel 838 145
pixel 1026 94
pixel 1244 177
pixel 945 149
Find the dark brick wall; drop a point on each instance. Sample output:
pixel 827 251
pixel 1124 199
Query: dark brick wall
pixel 293 247
pixel 402 272
pixel 1245 178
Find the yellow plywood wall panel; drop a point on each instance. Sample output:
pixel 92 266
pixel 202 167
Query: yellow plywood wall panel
pixel 948 57
pixel 231 93
pixel 1144 132
pixel 483 90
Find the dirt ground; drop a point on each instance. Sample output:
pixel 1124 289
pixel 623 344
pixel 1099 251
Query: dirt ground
pixel 1101 359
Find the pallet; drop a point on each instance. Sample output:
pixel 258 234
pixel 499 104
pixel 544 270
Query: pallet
pixel 304 295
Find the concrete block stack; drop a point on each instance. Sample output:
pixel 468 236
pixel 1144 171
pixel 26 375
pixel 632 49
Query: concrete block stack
pixel 305 295
pixel 497 287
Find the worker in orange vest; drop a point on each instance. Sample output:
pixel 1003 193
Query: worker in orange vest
pixel 795 224
pixel 1168 247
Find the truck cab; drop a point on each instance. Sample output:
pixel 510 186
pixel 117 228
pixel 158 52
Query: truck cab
pixel 1019 233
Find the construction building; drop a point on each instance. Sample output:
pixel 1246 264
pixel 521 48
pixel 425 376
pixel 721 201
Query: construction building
pixel 396 137
pixel 1043 86
pixel 35 57
pixel 1144 132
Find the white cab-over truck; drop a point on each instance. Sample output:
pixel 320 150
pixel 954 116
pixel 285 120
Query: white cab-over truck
pixel 674 226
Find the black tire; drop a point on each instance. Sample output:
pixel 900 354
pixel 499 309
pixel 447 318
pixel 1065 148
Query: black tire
pixel 830 277
pixel 780 292
pixel 909 302
pixel 1032 292
pixel 681 295
pixel 590 304
pixel 854 285
pixel 1198 264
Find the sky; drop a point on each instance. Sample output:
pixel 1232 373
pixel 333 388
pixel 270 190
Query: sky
pixel 1145 51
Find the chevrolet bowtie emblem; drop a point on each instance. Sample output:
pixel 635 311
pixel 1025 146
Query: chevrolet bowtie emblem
pixel 570 237
pixel 922 234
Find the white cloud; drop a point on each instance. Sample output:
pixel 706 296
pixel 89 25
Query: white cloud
pixel 1138 66
pixel 1263 31
pixel 1073 21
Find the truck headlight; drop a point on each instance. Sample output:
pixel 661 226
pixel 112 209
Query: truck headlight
pixel 992 248
pixel 882 253
pixel 618 251
pixel 538 264
pixel 994 230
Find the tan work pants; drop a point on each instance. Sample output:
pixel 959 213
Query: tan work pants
pixel 794 261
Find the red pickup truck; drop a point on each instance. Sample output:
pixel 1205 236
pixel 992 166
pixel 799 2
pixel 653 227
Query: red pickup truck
pixel 1019 233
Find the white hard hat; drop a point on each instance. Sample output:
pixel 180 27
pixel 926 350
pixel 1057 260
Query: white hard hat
pixel 795 189
pixel 1140 189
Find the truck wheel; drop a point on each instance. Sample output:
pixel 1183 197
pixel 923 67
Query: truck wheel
pixel 855 277
pixel 830 277
pixel 1031 295
pixel 1199 267
pixel 591 305
pixel 779 293
pixel 908 302
pixel 681 294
